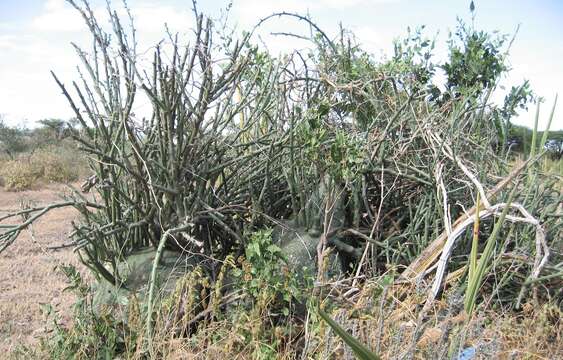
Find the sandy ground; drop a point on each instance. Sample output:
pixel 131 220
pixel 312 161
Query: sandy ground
pixel 28 270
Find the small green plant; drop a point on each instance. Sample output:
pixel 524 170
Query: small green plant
pixel 273 292
pixel 265 275
pixel 477 269
pixel 91 336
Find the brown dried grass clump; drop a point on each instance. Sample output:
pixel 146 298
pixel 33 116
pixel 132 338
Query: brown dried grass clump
pixel 386 320
pixel 48 165
pixel 535 333
pixel 19 175
pixel 55 166
pixel 390 320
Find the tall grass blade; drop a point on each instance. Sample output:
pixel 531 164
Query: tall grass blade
pixel 475 243
pixel 477 279
pixel 550 120
pixel 535 132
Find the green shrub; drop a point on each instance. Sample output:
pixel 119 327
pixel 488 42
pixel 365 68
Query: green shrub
pixel 91 336
pixel 2 165
pixel 266 277
pixel 13 140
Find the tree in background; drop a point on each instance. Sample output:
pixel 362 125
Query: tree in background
pixel 13 140
pixel 476 64
pixel 18 139
pixel 52 131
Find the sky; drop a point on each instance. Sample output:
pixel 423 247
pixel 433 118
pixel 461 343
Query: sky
pixel 36 36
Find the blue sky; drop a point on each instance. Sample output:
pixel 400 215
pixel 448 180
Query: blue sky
pixel 35 37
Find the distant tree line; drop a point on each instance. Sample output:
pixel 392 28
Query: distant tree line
pixel 20 139
pixel 520 140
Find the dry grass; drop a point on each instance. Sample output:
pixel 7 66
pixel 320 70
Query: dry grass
pixel 19 175
pixel 29 275
pixel 54 164
pixel 535 332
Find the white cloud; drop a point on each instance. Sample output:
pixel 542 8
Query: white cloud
pixel 57 16
pixel 341 4
pixel 324 13
pixel 372 40
pixel 254 9
pixel 32 47
pixel 543 69
pixel 151 17
pixel 8 42
pixel 249 12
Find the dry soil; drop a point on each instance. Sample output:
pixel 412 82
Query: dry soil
pixel 29 276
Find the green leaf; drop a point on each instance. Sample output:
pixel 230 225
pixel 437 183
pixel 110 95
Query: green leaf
pixel 273 249
pixel 478 274
pixel 236 272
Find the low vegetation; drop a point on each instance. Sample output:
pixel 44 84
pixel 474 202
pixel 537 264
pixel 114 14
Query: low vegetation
pixel 46 154
pixel 324 179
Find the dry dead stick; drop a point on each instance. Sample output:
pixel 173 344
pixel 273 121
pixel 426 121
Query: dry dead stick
pixel 432 251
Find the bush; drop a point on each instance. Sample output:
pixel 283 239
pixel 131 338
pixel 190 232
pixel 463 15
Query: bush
pixel 92 336
pixel 329 145
pixel 13 140
pixel 19 175
pixel 57 164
